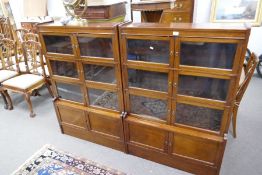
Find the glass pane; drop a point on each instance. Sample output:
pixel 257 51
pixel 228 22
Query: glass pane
pixel 148 80
pixel 103 98
pixel 96 47
pixel 200 117
pixel 216 55
pixel 70 92
pixel 203 87
pixel 99 73
pixel 148 50
pixel 64 68
pixel 149 107
pixel 58 44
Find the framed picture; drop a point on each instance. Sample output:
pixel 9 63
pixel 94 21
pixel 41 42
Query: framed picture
pixel 237 11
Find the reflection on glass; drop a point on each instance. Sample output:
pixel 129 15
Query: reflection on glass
pixel 203 87
pixel 148 50
pixel 101 98
pixel 96 47
pixel 215 55
pixel 64 68
pixel 99 73
pixel 148 80
pixel 70 92
pixel 149 107
pixel 199 117
pixel 58 44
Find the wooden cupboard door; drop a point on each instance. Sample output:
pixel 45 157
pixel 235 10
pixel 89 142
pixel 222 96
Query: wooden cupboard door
pixel 146 136
pixel 110 125
pixel 202 150
pixel 72 116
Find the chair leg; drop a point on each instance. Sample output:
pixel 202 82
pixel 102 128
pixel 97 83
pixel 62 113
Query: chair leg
pixel 8 99
pixel 5 101
pixel 30 106
pixel 234 120
pixel 49 89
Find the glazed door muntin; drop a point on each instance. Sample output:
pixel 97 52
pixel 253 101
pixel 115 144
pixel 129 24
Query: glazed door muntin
pixel 72 45
pixel 111 57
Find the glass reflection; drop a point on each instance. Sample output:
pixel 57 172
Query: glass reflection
pixel 215 55
pixel 101 98
pixel 203 87
pixel 199 117
pixel 96 47
pixel 149 107
pixel 148 50
pixel 58 44
pixel 100 73
pixel 64 68
pixel 69 92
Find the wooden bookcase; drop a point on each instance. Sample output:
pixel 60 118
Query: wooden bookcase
pixel 158 91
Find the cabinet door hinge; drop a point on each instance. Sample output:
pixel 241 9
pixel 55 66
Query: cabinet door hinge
pixel 123 114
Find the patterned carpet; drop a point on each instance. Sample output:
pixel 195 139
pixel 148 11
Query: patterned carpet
pixel 50 161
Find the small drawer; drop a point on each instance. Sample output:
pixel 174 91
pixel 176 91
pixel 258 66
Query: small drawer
pixel 175 17
pixel 182 5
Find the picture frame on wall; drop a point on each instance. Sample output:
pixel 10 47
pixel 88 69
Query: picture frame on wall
pixel 237 11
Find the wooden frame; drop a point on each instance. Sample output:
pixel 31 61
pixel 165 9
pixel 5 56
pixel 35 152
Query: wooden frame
pixel 223 11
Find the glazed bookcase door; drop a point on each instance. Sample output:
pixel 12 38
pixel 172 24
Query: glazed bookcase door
pixel 57 44
pixel 204 83
pixel 148 77
pixel 101 70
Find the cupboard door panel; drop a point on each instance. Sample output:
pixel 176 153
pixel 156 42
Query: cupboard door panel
pixel 151 108
pixel 148 136
pixel 148 80
pixel 199 117
pixel 196 148
pixel 72 116
pixel 58 44
pixel 95 47
pixel 70 92
pixel 106 124
pixel 105 74
pixel 211 88
pixel 64 68
pixel 213 55
pixel 148 50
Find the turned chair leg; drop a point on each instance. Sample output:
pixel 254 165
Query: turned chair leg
pixel 234 120
pixel 6 104
pixel 8 99
pixel 29 103
pixel 49 89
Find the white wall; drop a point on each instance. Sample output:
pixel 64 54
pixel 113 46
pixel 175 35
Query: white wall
pixel 201 15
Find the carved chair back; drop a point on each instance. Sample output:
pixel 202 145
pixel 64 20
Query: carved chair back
pixel 31 36
pixel 6 27
pixel 8 54
pixel 32 52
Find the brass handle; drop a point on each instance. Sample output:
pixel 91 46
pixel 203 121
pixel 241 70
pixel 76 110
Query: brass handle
pixel 177 19
pixel 178 5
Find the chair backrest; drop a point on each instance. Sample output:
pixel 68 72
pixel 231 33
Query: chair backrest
pixel 32 52
pixel 8 54
pixel 20 33
pixel 249 71
pixel 31 37
pixel 6 27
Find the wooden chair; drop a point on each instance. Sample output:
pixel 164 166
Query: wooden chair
pixel 31 37
pixel 6 28
pixel 32 80
pixel 10 67
pixel 247 74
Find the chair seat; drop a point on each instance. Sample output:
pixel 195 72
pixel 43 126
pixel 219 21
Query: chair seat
pixel 7 74
pixel 24 81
